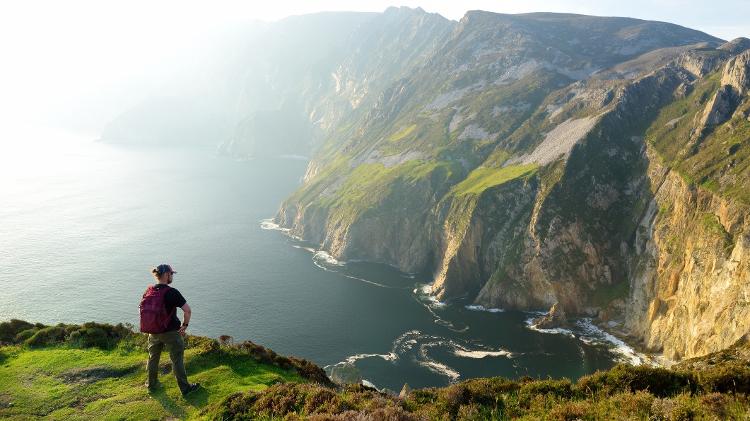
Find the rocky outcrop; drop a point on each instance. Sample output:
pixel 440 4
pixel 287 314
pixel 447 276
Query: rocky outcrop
pixel 555 318
pixel 719 109
pixel 701 62
pixel 690 291
pixel 735 82
pixel 737 73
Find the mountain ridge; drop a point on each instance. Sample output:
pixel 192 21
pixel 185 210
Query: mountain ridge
pixel 477 112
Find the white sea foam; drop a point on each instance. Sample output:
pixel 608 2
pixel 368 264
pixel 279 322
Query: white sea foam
pixel 413 345
pixel 310 249
pixel 433 365
pixel 555 330
pixel 463 351
pixel 327 258
pixel 423 289
pixel 325 261
pixel 369 384
pixel 391 356
pixel 269 224
pixel 440 368
pixel 592 334
pixel 587 332
pixel 424 292
pixel 481 354
pixel 477 307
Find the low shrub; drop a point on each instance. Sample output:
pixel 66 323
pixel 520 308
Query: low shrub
pixel 87 335
pixel 24 335
pixel 638 404
pixel 571 410
pixel 728 377
pixel 9 330
pixel 715 404
pixel 50 335
pixel 678 408
pixel 281 400
pixel 626 378
pixel 96 335
pixel 556 388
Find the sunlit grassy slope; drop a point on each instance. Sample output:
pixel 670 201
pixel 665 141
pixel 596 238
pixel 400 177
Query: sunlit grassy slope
pixel 59 377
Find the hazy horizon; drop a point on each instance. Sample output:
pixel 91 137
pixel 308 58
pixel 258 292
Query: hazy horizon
pixel 81 63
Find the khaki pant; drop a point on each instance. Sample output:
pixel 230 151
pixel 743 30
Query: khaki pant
pixel 176 347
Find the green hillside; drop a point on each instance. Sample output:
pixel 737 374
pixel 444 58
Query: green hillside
pixel 96 371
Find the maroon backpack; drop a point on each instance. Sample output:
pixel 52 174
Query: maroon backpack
pixel 154 315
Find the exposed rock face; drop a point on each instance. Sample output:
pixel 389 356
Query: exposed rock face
pixel 521 178
pixel 720 108
pixel 555 318
pixel 690 292
pixel 700 62
pixel 737 73
pixel 735 82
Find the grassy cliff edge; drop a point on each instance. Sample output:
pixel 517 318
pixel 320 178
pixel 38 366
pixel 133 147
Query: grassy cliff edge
pixel 96 371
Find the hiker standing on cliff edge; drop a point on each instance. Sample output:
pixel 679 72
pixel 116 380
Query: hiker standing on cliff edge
pixel 159 319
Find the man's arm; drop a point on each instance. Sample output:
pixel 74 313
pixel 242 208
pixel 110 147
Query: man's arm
pixel 186 319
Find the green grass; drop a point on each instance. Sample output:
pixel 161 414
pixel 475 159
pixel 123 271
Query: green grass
pixel 403 133
pixel 368 186
pixel 51 381
pixel 483 178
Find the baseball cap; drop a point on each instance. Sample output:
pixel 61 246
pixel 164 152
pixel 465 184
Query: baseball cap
pixel 163 268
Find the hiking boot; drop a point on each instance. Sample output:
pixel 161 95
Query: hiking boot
pixel 192 388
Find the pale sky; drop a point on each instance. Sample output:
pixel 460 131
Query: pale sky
pixel 52 51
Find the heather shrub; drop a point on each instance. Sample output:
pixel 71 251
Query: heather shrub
pixel 47 336
pixel 726 377
pixel 625 378
pixel 97 335
pixel 10 329
pixel 24 335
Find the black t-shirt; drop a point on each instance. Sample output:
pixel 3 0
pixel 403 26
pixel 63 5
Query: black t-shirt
pixel 172 299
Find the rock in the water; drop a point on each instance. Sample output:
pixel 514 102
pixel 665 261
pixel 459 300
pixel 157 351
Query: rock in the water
pixel 553 319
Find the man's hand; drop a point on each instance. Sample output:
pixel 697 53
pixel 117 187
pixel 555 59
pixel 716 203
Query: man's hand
pixel 187 313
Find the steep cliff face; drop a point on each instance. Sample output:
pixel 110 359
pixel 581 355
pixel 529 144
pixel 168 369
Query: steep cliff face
pixel 690 294
pixel 690 287
pixel 525 167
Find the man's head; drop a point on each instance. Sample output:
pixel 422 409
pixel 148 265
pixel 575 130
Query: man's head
pixel 163 273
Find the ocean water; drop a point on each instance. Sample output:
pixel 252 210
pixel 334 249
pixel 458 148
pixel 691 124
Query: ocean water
pixel 82 223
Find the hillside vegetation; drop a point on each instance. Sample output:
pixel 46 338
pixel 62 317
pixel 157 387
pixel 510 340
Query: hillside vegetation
pixel 96 371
